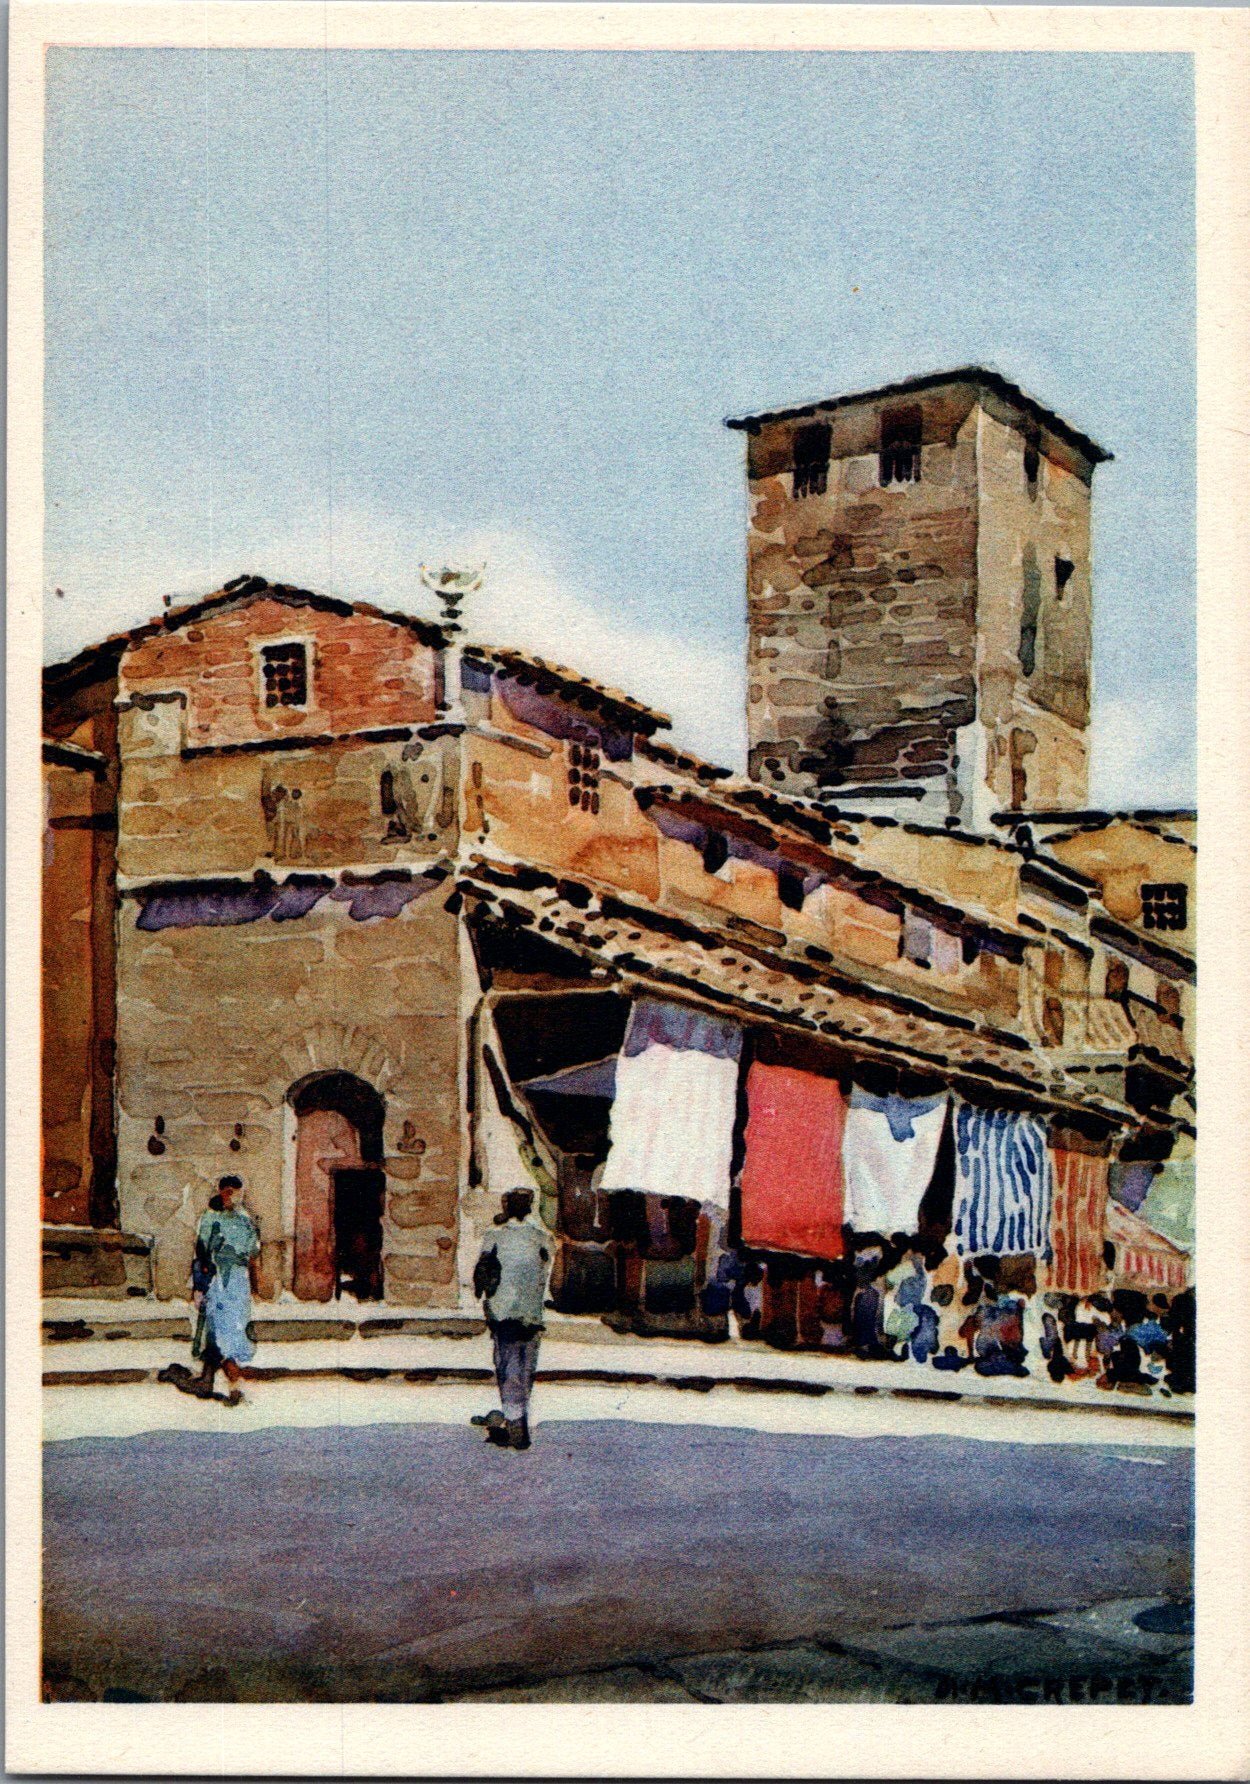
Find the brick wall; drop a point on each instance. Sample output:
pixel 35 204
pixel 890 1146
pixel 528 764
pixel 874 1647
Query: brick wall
pixel 363 672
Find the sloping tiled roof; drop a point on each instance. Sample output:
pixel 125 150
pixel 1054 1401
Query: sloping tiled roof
pixel 979 376
pixel 549 677
pixel 101 658
pixel 779 984
pixel 237 593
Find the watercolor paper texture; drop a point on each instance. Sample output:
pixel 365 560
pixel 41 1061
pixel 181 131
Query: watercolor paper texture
pixel 620 605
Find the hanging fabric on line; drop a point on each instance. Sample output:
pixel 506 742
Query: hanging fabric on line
pixel 676 1100
pixel 1002 1182
pixel 889 1149
pixel 1078 1222
pixel 1129 1184
pixel 792 1175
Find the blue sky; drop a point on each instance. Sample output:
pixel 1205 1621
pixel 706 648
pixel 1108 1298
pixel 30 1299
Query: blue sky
pixel 326 318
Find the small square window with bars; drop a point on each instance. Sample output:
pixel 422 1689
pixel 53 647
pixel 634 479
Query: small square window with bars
pixel 583 776
pixel 284 669
pixel 1165 905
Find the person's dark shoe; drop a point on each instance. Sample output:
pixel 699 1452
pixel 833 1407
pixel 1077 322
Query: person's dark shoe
pixel 200 1387
pixel 235 1397
pixel 491 1421
pixel 498 1435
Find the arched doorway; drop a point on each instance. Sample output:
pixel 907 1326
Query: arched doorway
pixel 339 1187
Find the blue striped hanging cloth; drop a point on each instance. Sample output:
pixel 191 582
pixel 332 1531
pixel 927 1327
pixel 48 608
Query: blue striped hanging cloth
pixel 1003 1188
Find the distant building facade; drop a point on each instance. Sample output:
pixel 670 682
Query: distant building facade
pixel 387 925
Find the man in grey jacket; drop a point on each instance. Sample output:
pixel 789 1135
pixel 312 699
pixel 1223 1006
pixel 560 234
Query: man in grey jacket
pixel 511 1276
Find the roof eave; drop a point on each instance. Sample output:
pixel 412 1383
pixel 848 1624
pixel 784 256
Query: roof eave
pixel 980 376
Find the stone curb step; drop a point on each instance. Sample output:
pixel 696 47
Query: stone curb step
pixel 699 1384
pixel 268 1331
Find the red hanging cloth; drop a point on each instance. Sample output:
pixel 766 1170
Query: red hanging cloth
pixel 792 1176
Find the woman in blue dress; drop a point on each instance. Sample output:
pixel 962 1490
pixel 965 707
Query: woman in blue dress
pixel 225 1244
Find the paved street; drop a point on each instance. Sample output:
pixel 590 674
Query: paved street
pixel 618 1559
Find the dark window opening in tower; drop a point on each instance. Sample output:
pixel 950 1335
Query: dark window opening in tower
pixel 1064 568
pixel 811 458
pixel 1023 744
pixel 1030 609
pixel 900 445
pixel 1032 459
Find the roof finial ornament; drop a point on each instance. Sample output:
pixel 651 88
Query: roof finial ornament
pixel 452 587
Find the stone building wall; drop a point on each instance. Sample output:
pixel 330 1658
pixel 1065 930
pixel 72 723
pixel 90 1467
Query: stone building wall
pixel 1035 626
pixel 322 805
pixel 934 632
pixel 517 801
pixel 283 915
pixel 862 603
pixel 217 1023
pixel 982 872
pixel 1124 856
pixel 517 805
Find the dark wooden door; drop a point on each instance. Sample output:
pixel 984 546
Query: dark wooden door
pixel 358 1197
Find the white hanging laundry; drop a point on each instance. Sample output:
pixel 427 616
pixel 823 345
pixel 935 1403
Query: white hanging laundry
pixel 889 1148
pixel 675 1106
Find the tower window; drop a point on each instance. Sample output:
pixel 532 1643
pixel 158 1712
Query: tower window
pixel 900 445
pixel 1032 458
pixel 811 458
pixel 1030 609
pixel 1063 574
pixel 284 669
pixel 1052 1000
pixel 1023 744
pixel 1165 906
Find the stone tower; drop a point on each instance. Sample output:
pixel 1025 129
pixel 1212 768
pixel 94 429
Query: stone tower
pixel 918 599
